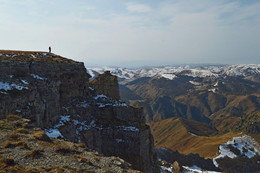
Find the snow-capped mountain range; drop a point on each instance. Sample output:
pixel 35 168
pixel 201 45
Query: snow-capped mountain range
pixel 171 72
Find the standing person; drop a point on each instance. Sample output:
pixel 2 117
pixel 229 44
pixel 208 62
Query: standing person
pixel 49 49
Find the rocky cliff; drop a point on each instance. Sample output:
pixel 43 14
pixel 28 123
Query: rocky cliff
pixel 35 85
pixel 25 148
pixel 106 84
pixel 54 93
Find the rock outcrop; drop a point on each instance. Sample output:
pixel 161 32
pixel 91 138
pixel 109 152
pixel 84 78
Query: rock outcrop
pixel 106 84
pixel 54 93
pixel 25 148
pixel 35 85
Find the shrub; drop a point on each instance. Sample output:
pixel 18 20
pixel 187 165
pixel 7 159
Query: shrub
pixel 13 117
pixel 65 150
pixel 41 136
pixel 32 170
pixel 34 154
pixel 19 144
pixel 4 162
pixel 22 130
pixel 13 135
pixel 82 145
pixel 56 170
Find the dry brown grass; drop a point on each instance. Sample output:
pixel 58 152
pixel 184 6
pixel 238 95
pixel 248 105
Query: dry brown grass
pixel 13 135
pixel 84 160
pixel 36 56
pixel 4 162
pixel 82 145
pixel 9 165
pixel 18 144
pixel 172 134
pixel 40 135
pixel 22 130
pixel 13 117
pixel 65 150
pixel 34 154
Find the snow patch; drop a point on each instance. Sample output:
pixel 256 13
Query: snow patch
pixel 245 144
pixel 196 169
pixel 25 82
pixel 193 134
pixel 165 169
pixel 100 96
pixel 168 76
pixel 128 128
pixel 91 88
pixel 119 140
pixel 6 86
pixel 83 105
pixel 37 77
pixel 5 93
pixel 54 133
pixel 91 73
pixel 212 90
pixel 62 120
pixel 33 56
pixel 194 83
pixel 245 70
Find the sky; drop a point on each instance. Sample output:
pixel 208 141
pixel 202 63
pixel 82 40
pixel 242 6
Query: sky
pixel 135 33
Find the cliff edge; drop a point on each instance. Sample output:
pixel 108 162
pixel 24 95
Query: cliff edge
pixel 54 93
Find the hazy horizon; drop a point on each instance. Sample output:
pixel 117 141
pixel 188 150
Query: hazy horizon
pixel 135 33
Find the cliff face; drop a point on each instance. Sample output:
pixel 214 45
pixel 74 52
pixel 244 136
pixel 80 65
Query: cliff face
pixel 106 84
pixel 54 93
pixel 25 148
pixel 36 87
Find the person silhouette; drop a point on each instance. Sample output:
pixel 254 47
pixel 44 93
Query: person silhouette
pixel 49 49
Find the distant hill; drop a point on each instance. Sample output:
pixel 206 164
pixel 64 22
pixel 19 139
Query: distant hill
pixel 188 136
pixel 205 110
pixel 201 93
pixel 192 143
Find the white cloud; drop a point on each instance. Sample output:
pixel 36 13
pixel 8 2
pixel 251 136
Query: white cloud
pixel 172 32
pixel 139 8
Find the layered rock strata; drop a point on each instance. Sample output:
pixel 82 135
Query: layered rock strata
pixel 106 84
pixel 54 93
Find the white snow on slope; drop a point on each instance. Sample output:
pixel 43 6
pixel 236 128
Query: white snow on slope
pixel 102 96
pixel 53 133
pixel 6 86
pixel 37 77
pixel 128 128
pixel 196 169
pixel 194 83
pixel 212 90
pixel 165 169
pixel 245 70
pixel 104 101
pixel 193 134
pixel 201 73
pixel 169 76
pixel 245 144
pixel 25 82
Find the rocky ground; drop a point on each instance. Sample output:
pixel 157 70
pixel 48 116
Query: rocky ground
pixel 24 148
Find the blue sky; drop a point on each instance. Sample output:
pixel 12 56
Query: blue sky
pixel 135 33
